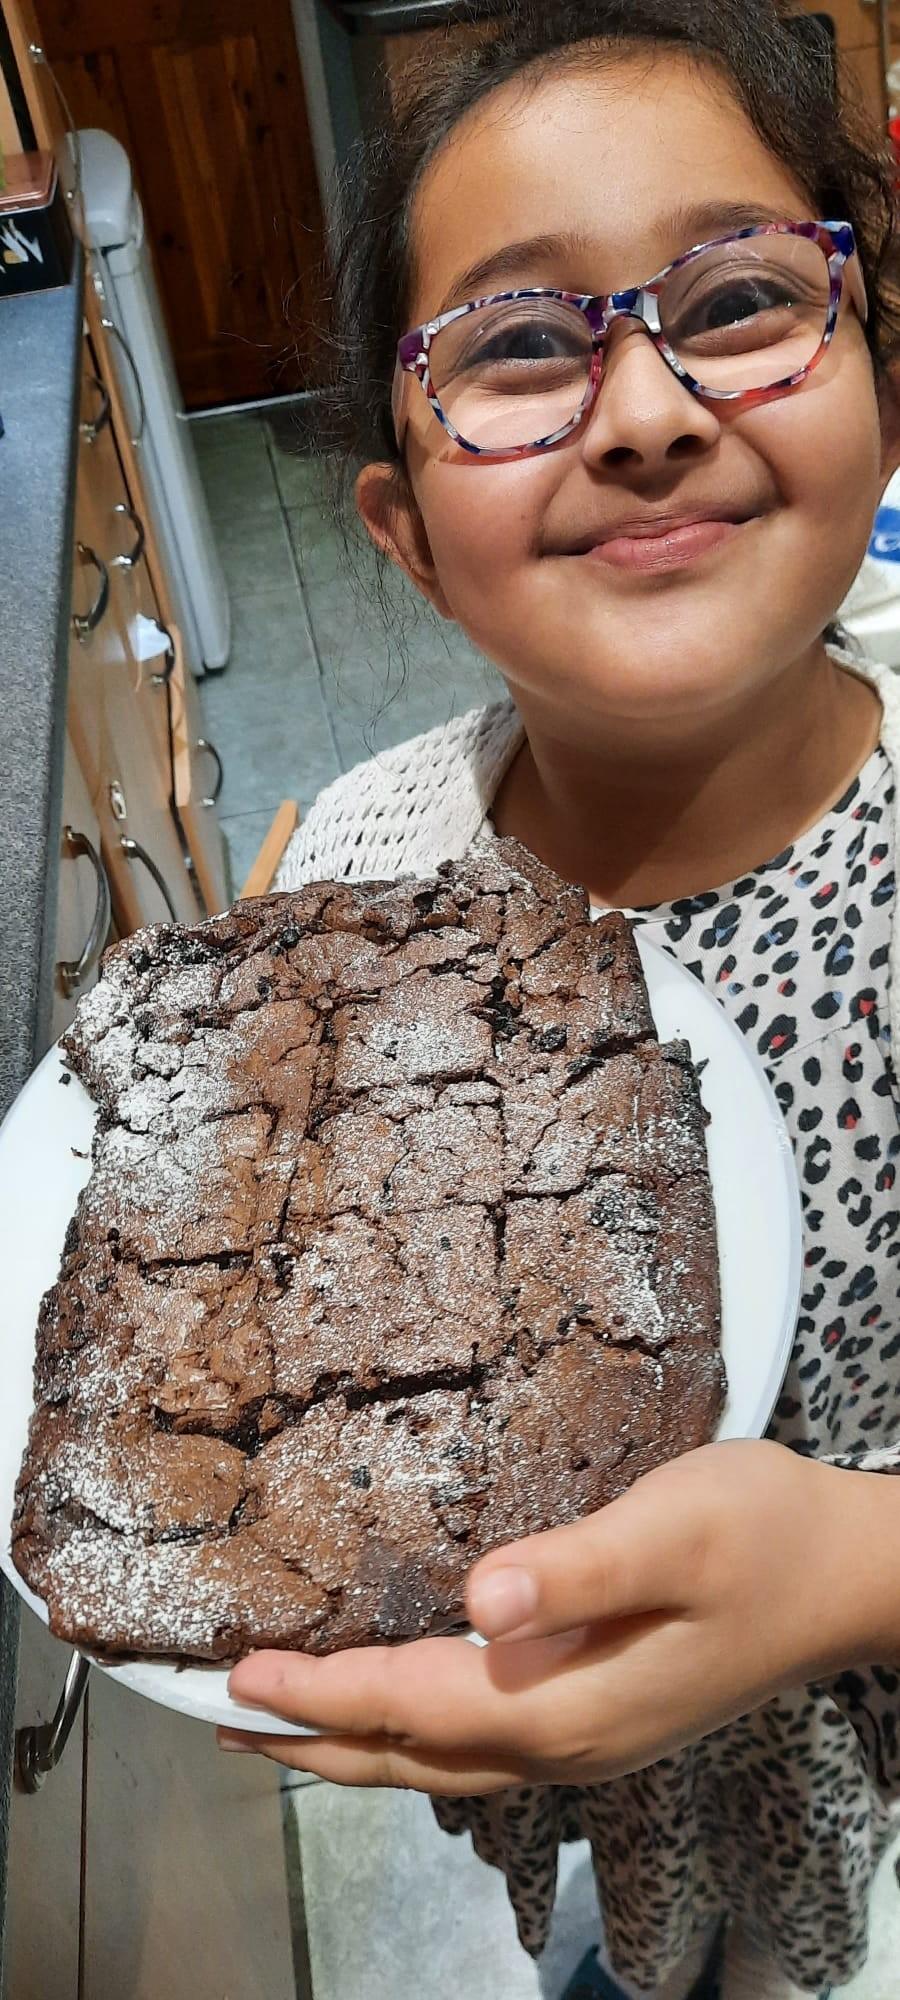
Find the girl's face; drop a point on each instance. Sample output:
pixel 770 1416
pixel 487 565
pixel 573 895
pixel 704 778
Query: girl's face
pixel 636 163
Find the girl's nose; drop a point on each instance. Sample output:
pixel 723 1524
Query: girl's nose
pixel 643 413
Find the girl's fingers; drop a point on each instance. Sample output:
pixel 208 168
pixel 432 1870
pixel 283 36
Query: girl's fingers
pixel 637 1556
pixel 375 1690
pixel 445 1694
pixel 350 1760
pixel 435 1691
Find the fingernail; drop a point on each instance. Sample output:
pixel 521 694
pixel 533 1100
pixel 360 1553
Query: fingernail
pixel 503 1600
pixel 257 1681
pixel 226 1742
pixel 253 1696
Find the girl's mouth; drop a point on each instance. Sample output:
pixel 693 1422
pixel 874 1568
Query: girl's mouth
pixel 670 546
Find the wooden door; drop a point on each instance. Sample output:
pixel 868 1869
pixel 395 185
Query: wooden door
pixel 208 100
pixel 856 27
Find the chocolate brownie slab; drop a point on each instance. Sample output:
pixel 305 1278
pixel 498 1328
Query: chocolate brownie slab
pixel 398 1242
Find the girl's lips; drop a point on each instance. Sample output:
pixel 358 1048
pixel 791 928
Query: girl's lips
pixel 669 549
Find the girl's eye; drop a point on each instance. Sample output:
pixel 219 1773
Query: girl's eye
pixel 525 342
pixel 530 339
pixel 734 305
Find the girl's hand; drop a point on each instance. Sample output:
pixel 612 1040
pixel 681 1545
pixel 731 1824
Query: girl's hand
pixel 717 1581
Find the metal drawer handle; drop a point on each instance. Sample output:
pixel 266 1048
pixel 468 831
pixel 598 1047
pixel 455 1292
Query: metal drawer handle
pixel 39 1746
pixel 72 972
pixel 131 561
pixel 211 751
pixel 136 852
pixel 87 623
pixel 110 326
pixel 90 430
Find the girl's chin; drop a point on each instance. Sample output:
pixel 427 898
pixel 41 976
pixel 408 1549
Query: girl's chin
pixel 645 676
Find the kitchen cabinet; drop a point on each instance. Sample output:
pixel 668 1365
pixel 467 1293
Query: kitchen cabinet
pixel 42 1945
pixel 197 780
pixel 121 709
pixel 209 103
pixel 118 712
pixel 10 136
pixel 165 687
pixel 185 1891
pixel 83 902
pixel 146 1863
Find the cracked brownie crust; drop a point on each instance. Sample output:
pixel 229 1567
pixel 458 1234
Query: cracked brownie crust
pixel 398 1244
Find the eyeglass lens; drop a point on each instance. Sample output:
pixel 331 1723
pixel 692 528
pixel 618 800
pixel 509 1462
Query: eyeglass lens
pixel 740 315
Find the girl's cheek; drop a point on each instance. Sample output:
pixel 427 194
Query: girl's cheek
pixel 491 518
pixel 827 446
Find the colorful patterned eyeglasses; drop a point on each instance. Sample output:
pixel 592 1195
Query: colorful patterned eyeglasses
pixel 740 320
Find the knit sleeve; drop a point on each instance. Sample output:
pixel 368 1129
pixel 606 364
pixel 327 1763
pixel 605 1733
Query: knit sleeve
pixel 316 852
pixel 409 808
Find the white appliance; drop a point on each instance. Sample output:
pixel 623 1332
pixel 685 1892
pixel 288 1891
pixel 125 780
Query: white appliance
pixel 114 225
pixel 871 612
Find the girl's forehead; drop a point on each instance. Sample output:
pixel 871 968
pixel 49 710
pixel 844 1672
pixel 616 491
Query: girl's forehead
pixel 618 167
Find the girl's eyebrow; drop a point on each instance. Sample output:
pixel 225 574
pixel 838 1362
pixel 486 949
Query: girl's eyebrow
pixel 690 224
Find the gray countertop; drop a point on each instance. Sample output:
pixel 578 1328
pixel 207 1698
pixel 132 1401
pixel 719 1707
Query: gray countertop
pixel 40 340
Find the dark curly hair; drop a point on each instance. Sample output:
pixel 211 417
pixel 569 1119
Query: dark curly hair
pixel 781 68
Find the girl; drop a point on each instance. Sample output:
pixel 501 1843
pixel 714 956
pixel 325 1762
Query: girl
pixel 632 440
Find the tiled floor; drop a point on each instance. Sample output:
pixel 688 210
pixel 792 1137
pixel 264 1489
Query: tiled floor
pixel 394 1910
pixel 316 680
pixel 397 1910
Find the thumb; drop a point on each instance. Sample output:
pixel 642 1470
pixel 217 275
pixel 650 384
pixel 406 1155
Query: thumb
pixel 639 1554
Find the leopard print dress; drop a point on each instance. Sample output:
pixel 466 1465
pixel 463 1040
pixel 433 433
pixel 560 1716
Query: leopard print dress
pixel 780 1818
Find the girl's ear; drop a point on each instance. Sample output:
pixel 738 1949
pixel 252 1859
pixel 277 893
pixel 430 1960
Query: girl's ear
pixel 386 505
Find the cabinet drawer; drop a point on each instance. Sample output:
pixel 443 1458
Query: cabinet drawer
pixel 197 777
pixel 111 531
pixel 120 735
pixel 83 909
pixel 170 711
pixel 118 709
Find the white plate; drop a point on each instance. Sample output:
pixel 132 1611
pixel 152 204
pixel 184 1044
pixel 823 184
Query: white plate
pixel 45 1145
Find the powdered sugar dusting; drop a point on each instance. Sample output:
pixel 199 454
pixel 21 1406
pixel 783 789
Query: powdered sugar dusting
pixel 385 1257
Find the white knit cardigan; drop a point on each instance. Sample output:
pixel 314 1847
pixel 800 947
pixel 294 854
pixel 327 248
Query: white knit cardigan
pixel 426 800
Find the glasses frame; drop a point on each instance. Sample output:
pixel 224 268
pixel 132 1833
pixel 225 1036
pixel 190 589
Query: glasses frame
pixel 640 302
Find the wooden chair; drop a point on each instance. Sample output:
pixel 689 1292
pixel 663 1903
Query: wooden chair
pixel 265 867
